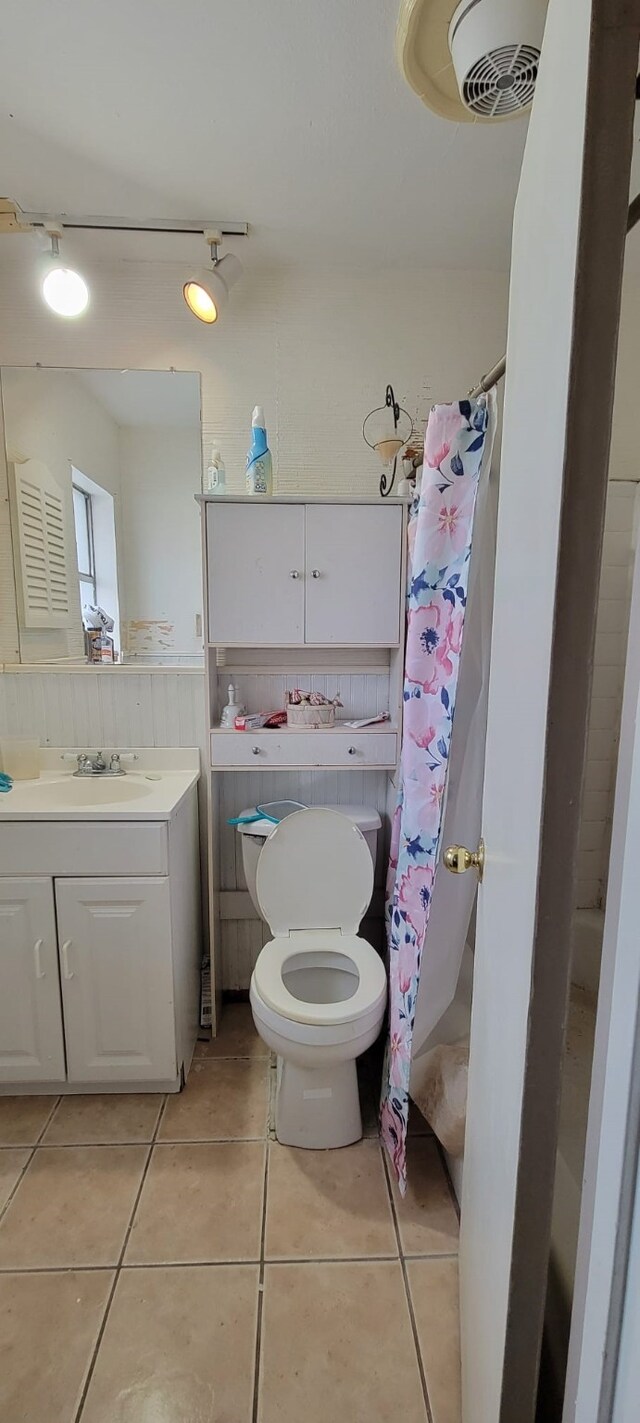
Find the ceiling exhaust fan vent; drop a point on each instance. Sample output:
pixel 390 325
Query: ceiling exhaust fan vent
pixel 502 82
pixel 495 49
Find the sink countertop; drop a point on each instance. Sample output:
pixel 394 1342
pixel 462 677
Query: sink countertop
pixel 151 789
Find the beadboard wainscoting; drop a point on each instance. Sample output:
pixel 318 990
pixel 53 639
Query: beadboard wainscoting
pixel 105 707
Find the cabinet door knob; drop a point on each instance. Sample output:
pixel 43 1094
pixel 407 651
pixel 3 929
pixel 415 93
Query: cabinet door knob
pixel 352 750
pixel 294 573
pixel 315 573
pixel 37 956
pixel 64 950
pixel 255 750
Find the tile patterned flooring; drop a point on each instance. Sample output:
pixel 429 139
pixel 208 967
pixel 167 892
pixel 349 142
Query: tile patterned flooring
pixel 169 1259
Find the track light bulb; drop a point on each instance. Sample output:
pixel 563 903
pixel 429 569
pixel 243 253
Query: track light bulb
pixel 208 291
pixel 63 289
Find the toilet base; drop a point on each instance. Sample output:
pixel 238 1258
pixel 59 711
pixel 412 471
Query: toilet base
pixel 318 1107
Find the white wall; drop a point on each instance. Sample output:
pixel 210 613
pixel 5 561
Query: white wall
pixel 160 574
pixel 51 416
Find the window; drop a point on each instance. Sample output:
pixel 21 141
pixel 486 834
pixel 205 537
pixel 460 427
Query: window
pixel 83 517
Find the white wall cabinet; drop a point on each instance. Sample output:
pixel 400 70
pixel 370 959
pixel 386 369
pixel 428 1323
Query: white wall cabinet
pixel 117 978
pixel 31 1037
pixel 288 575
pixel 352 563
pixel 257 584
pixel 100 974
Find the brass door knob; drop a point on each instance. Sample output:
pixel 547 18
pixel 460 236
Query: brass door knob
pixel 458 859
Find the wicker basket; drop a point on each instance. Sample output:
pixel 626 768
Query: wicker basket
pixel 303 715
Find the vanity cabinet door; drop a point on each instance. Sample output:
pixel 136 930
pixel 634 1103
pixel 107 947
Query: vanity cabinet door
pixel 117 980
pixel 31 1040
pixel 353 562
pixel 255 560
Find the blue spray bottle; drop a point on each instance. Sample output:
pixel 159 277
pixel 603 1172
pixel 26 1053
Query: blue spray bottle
pixel 259 473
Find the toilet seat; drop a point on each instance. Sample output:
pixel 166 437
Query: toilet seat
pixel 268 981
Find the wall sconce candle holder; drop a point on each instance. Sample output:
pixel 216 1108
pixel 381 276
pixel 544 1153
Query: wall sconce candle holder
pixel 383 425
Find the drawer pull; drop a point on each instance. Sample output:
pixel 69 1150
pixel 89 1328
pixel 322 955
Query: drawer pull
pixel 64 950
pixel 294 573
pixel 352 750
pixel 255 750
pixel 40 973
pixel 315 573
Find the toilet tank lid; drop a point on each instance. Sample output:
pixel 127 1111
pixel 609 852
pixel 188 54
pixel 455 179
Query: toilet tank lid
pixel 364 816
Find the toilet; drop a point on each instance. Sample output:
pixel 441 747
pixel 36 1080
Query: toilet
pixel 318 990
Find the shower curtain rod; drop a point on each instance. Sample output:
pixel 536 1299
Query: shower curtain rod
pixel 496 373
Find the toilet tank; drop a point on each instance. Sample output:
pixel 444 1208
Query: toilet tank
pixel 254 835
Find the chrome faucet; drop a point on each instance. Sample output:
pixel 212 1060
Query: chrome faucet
pixel 89 765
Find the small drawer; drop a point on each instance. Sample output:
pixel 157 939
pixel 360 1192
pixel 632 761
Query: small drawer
pixel 233 750
pixel 53 847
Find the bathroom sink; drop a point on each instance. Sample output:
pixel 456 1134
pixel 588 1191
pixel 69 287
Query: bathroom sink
pixel 72 791
pixel 163 776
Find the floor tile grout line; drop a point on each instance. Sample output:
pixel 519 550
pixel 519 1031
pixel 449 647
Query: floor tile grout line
pixel 263 1232
pixel 117 1271
pixel 407 1291
pixel 31 1148
pixel 214 1264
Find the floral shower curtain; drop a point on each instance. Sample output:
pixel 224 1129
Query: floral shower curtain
pixel 457 442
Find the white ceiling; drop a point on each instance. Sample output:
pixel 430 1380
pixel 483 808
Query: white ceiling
pixel 290 114
pixel 146 397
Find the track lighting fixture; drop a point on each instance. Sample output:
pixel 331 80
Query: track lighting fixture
pixel 63 289
pixel 208 291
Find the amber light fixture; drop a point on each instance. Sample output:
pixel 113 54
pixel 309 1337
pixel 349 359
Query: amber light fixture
pixel 207 292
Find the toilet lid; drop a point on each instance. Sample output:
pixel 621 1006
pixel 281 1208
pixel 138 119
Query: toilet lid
pixel 314 872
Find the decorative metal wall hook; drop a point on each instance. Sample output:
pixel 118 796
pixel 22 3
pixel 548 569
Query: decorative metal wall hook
pixel 388 444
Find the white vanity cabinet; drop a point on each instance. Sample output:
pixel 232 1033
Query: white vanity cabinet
pixel 117 978
pixel 284 574
pixel 31 1036
pixel 100 952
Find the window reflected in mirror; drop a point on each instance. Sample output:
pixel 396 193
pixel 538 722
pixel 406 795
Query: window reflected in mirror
pixel 103 470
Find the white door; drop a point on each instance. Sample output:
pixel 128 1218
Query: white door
pixel 117 982
pixel 255 560
pixel 353 556
pixel 568 243
pixel 31 1041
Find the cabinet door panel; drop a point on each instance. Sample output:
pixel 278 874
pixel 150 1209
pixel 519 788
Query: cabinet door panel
pixel 31 1039
pixel 353 560
pixel 117 981
pixel 252 553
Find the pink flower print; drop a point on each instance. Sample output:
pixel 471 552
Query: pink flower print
pixel 426 805
pixel 423 640
pixel 435 458
pixel 447 519
pixel 405 957
pixel 399 1058
pixel 443 428
pixel 415 756
pixel 414 895
pixel 451 642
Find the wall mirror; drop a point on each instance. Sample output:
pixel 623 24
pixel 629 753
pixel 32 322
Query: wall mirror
pixel 103 467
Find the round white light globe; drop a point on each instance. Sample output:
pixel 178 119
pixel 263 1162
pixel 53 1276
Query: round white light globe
pixel 65 291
